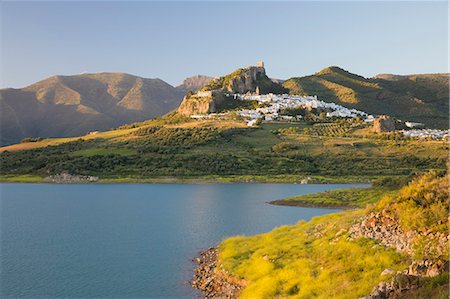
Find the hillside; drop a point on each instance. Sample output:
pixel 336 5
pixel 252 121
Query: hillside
pixel 395 248
pixel 64 106
pixel 214 96
pixel 419 98
pixel 289 143
pixel 74 105
pixel 182 148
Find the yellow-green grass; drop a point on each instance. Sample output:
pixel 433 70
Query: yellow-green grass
pixel 22 178
pixel 348 197
pixel 113 135
pixel 317 259
pixel 366 147
pixel 309 260
pixel 105 151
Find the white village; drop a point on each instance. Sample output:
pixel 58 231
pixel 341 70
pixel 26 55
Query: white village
pixel 255 107
pixel 272 105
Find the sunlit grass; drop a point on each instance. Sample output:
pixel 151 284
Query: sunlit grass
pixel 317 259
pixel 309 260
pixel 353 197
pixel 105 151
pixel 25 178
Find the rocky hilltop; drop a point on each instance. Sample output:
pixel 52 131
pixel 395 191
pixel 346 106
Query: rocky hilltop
pixel 213 95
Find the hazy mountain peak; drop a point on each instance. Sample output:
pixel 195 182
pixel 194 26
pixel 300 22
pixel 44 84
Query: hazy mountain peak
pixel 194 83
pixel 61 106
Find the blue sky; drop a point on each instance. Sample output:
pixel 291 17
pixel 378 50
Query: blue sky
pixel 173 40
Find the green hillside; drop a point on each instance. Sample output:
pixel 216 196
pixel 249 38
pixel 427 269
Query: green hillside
pixel 224 148
pixel 419 98
pixel 183 148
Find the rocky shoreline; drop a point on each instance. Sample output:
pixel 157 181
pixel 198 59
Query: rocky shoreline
pixel 67 178
pixel 212 280
pixel 380 226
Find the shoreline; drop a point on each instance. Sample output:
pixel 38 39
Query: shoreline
pixel 293 203
pixel 213 281
pixel 30 179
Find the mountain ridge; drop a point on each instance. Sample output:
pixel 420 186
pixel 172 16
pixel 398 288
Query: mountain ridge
pixel 420 97
pixel 72 105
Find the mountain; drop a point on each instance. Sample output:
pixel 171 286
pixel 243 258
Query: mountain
pixel 74 105
pixel 63 106
pixel 420 98
pixel 194 83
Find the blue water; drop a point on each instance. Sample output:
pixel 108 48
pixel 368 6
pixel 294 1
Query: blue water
pixel 127 241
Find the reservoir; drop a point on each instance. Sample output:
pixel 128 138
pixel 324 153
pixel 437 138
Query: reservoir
pixel 128 240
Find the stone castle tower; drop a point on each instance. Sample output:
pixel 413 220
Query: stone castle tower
pixel 260 64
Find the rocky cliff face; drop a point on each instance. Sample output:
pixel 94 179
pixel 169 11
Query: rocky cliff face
pixel 252 79
pixel 200 103
pixel 247 81
pixel 383 227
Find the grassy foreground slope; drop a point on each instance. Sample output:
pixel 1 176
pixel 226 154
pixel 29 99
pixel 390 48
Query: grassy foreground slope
pixel 185 149
pixel 320 258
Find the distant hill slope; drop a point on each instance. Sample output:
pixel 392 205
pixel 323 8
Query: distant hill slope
pixel 420 98
pixel 194 83
pixel 74 105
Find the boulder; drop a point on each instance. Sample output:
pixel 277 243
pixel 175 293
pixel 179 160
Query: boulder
pixel 387 271
pixel 383 123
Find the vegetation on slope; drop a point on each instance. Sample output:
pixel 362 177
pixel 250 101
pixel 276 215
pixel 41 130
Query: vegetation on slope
pixel 420 98
pixel 317 259
pixel 347 198
pixel 179 147
pixel 422 205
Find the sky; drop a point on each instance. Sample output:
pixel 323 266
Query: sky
pixel 174 40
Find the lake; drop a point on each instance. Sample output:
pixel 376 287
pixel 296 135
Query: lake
pixel 128 240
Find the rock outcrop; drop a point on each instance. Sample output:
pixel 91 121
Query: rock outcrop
pixel 383 228
pixel 246 81
pixel 252 79
pixel 213 281
pixel 201 102
pixel 383 123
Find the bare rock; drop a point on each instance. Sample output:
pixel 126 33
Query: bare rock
pixel 383 123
